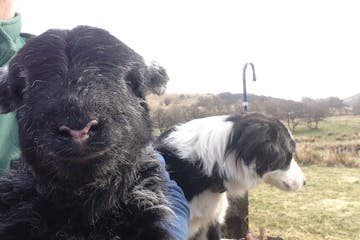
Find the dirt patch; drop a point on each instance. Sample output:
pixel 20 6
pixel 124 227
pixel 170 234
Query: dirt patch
pixel 350 179
pixel 305 139
pixel 334 204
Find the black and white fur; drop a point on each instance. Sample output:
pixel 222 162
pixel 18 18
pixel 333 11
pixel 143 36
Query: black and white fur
pixel 215 156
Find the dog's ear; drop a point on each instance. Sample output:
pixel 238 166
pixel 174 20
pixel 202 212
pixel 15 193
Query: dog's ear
pixel 271 150
pixel 12 84
pixel 267 157
pixel 157 79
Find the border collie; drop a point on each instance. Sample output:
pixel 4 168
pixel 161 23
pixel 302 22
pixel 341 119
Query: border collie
pixel 213 156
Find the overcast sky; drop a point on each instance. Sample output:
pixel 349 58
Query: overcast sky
pixel 299 48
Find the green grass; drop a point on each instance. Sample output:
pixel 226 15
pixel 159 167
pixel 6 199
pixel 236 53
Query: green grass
pixel 327 208
pixel 330 128
pixel 335 143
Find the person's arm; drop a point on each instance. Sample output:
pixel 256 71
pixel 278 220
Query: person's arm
pixel 10 27
pixel 178 228
pixel 10 42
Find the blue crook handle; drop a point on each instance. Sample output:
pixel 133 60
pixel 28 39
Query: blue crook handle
pixel 245 98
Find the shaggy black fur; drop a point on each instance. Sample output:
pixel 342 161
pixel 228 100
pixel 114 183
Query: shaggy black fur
pixel 108 186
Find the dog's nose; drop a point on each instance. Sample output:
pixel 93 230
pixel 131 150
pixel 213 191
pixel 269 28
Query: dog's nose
pixel 78 135
pixel 304 183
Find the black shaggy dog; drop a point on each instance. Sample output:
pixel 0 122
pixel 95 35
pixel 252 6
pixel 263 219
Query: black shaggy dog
pixel 213 156
pixel 86 171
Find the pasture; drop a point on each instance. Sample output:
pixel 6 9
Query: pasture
pixel 329 206
pixel 335 144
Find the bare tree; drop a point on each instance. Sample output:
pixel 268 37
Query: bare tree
pixel 292 121
pixel 356 107
pixel 316 111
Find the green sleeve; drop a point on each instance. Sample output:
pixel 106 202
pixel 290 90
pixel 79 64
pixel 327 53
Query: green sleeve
pixel 10 43
pixel 8 140
pixel 10 39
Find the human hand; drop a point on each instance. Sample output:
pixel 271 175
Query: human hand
pixel 7 10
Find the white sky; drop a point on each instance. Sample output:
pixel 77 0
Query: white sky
pixel 299 48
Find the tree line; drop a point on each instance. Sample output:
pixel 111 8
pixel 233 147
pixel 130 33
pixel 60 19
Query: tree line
pixel 171 111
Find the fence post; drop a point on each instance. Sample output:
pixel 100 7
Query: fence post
pixel 236 221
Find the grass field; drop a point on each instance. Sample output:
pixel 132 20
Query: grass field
pixel 335 143
pixel 331 129
pixel 327 208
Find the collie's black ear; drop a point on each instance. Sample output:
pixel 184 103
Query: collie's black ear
pixel 271 150
pixel 157 79
pixel 268 157
pixel 12 84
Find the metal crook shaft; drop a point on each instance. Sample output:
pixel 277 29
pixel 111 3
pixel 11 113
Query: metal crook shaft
pixel 245 98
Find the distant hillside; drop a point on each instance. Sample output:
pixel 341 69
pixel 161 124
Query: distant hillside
pixel 170 109
pixel 350 101
pixel 188 100
pixel 200 105
pixel 169 99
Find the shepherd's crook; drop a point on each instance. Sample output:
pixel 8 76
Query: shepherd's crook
pixel 245 99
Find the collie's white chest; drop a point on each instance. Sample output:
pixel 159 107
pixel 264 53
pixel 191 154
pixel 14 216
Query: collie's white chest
pixel 206 208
